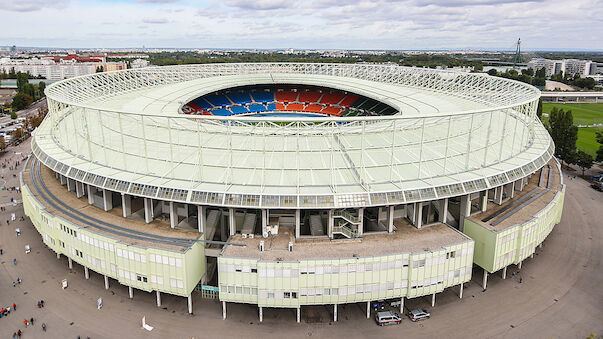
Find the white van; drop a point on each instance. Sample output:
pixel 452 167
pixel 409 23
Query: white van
pixel 387 318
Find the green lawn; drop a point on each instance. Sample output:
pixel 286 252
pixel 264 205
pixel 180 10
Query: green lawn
pixel 584 114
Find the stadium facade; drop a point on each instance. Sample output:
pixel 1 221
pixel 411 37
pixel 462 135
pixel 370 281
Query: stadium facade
pixel 284 185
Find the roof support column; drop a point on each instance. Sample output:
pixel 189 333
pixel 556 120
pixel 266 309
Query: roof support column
pixel 485 279
pixel 107 200
pixel 390 219
pixel 201 221
pixel 461 291
pixel 297 227
pixel 335 312
pixel 90 194
pixel 498 195
pixel 173 215
pixel 484 197
pixel 148 210
pixel 433 300
pixel 261 311
pixel 465 210
pixel 190 303
pixel 130 292
pixel 224 310
pixel 361 222
pixel 69 185
pixel 126 205
pixel 419 214
pixel 106 282
pixel 510 189
pixel 330 224
pixel 444 210
pixel 79 189
pixel 232 223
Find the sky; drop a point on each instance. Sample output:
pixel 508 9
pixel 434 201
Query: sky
pixel 305 24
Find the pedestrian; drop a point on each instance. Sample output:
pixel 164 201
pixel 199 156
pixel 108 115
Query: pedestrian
pixel 14 335
pixel 520 279
pixel 31 321
pixel 15 261
pixel 25 322
pixel 44 327
pixel 1 251
pixel 19 281
pixel 19 333
pixel 14 307
pixel 39 305
pixel 8 310
pixel 14 284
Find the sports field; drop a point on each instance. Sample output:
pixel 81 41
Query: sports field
pixel 584 114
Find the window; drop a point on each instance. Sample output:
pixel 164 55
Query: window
pixel 451 255
pixel 294 295
pixel 141 278
pixel 418 263
pixel 254 270
pixel 270 295
pixel 287 295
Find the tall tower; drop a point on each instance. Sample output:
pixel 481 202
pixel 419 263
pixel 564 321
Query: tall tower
pixel 517 57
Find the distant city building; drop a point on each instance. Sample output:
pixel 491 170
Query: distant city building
pixel 58 67
pixel 139 63
pixel 566 66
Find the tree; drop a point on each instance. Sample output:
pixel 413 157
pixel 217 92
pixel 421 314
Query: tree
pixel 539 109
pixel 13 115
pixel 20 101
pixel 17 134
pixel 22 81
pixel 41 88
pixel 528 71
pixel 584 160
pixel 539 82
pixel 541 73
pixel 2 143
pixel 492 72
pixel 564 134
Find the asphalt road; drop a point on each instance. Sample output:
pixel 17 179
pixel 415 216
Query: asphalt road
pixel 561 295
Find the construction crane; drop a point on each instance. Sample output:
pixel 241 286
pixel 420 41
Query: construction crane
pixel 517 57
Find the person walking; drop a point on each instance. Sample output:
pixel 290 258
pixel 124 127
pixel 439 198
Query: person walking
pixel 25 322
pixel 44 327
pixel 15 261
pixel 14 307
pixel 31 321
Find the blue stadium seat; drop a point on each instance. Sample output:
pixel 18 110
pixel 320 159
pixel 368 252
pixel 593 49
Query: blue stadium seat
pixel 239 98
pixel 221 112
pixel 263 96
pixel 271 107
pixel 257 108
pixel 218 100
pixel 239 109
pixel 202 103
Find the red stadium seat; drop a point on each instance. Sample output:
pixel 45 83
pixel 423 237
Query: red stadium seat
pixel 348 100
pixel 295 107
pixel 331 110
pixel 285 96
pixel 331 98
pixel 309 97
pixel 280 106
pixel 313 108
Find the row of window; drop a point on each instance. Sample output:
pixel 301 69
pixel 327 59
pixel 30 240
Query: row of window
pixel 131 255
pixel 131 275
pixel 68 230
pixel 245 290
pixel 96 262
pixel 162 259
pixel 511 236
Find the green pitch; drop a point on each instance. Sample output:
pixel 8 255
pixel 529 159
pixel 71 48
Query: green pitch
pixel 584 114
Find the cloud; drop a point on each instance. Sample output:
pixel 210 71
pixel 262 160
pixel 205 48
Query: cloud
pixel 31 5
pixel 259 4
pixel 156 21
pixel 157 1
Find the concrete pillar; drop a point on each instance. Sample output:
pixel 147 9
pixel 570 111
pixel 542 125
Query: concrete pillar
pixel 484 201
pixel 126 205
pixel 158 298
pixel 201 221
pixel 79 189
pixel 390 219
pixel 519 265
pixel 433 300
pixel 58 255
pixel 69 184
pixel 190 303
pixel 498 195
pixel 232 223
pixel 335 312
pixel 368 309
pixel 131 292
pixel 264 221
pixel 419 214
pixel 444 210
pixel 70 262
pixel 461 292
pixel 107 200
pixel 148 210
pixel 485 279
pixel 297 226
pixel 299 314
pixel 540 246
pixel 173 215
pixel 106 282
pixel 510 188
pixel 504 273
pixel 465 210
pixel 86 273
pixel 224 310
pixel 532 256
pixel 62 179
pixel 411 211
pixel 402 305
pixel 90 195
pixel 361 222
pixel 261 313
pixel 331 224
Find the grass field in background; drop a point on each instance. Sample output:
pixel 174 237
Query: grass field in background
pixel 584 114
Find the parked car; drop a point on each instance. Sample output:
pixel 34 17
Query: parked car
pixel 387 318
pixel 418 314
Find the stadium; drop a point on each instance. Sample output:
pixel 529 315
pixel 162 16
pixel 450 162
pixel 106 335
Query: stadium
pixel 285 185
